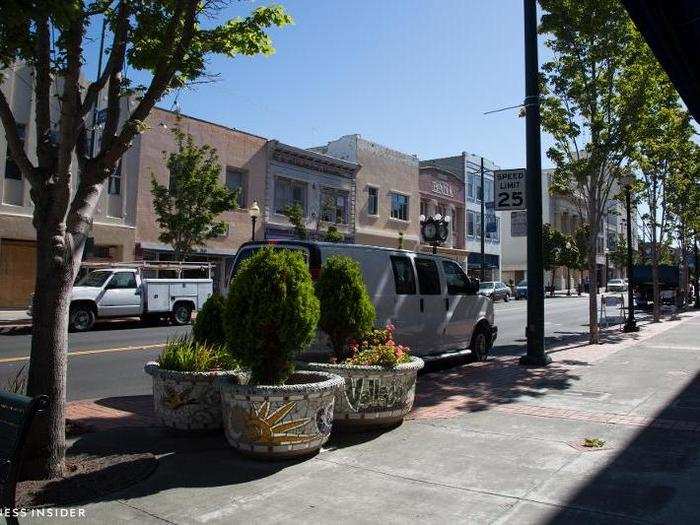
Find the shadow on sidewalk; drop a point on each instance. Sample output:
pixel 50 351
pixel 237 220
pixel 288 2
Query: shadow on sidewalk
pixel 655 477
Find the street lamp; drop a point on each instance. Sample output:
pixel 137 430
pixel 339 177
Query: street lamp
pixel 254 212
pixel 435 229
pixel 630 323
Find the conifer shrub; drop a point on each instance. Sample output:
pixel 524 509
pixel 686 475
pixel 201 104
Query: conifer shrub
pixel 347 311
pixel 208 326
pixel 271 314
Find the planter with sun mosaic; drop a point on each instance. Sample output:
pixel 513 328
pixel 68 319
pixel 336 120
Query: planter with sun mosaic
pixel 270 317
pixel 279 422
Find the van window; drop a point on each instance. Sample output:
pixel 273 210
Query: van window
pixel 428 277
pixel 403 275
pixel 457 282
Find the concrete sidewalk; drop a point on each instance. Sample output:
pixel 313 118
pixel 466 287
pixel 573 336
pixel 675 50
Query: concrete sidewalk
pixel 490 442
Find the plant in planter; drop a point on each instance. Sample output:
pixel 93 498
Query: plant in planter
pixel 380 375
pixel 185 395
pixel 271 316
pixel 347 311
pixel 208 327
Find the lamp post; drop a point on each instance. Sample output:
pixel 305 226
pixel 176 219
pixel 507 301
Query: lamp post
pixel 630 323
pixel 254 212
pixel 435 229
pixel 536 355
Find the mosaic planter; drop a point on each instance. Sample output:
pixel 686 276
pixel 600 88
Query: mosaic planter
pixel 373 396
pixel 187 400
pixel 280 422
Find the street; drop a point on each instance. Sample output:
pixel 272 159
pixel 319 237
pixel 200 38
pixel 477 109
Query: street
pixel 108 361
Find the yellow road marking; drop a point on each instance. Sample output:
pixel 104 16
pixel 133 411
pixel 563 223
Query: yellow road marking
pixel 89 352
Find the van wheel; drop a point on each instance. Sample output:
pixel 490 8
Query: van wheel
pixel 506 298
pixel 479 346
pixel 82 318
pixel 182 314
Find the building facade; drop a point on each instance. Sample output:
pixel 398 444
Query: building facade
pixel 114 226
pixel 244 163
pixel 468 167
pixel 322 185
pixel 387 195
pixel 442 192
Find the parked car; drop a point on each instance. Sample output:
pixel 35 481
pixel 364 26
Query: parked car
pixel 435 308
pixel 122 291
pixel 521 290
pixel 617 285
pixel 495 290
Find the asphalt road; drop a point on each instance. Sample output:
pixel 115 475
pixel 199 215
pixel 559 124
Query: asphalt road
pixel 109 360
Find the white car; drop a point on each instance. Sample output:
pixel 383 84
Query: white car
pixel 435 308
pixel 617 285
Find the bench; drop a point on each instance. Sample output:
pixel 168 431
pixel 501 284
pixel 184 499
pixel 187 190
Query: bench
pixel 16 415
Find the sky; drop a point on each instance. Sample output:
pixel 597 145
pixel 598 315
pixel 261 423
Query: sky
pixel 413 75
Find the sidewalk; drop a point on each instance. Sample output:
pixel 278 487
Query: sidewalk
pixel 491 442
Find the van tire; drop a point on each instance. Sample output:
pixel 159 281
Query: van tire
pixel 81 318
pixel 182 313
pixel 480 343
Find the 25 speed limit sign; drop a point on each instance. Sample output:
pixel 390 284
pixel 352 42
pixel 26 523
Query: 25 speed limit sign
pixel 510 189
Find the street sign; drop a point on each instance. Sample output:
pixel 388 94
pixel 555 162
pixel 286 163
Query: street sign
pixel 510 189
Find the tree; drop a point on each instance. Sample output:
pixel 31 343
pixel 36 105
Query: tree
pixel 569 258
pixel 660 156
pixel 333 235
pixel 553 243
pixel 581 238
pixel 295 214
pixel 164 41
pixel 187 210
pixel 591 103
pixel 618 254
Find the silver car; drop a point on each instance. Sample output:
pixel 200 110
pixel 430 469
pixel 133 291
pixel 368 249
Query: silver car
pixel 617 285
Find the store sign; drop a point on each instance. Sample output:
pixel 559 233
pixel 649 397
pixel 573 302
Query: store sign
pixel 443 188
pixel 510 189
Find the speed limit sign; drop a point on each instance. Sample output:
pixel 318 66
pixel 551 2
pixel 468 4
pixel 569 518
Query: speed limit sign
pixel 510 189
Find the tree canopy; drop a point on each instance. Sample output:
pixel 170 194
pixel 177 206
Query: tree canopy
pixel 187 209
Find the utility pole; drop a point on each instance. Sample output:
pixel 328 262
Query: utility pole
pixel 483 194
pixel 536 355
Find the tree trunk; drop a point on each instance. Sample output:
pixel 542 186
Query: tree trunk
pixel 593 334
pixel 568 281
pixel 655 278
pixel 47 364
pixel 551 288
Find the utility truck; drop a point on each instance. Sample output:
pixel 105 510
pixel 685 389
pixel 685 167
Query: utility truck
pixel 114 290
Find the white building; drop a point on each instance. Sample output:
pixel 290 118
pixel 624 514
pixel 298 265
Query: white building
pixel 563 215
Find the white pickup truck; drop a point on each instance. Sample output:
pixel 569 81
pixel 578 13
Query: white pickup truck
pixel 121 291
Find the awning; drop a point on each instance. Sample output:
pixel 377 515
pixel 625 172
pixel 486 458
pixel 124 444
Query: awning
pixel 672 30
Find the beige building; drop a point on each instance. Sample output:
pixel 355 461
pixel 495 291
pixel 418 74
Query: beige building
pixel 387 191
pixel 114 226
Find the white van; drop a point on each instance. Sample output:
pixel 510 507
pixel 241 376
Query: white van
pixel 432 303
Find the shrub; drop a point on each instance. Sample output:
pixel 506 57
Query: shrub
pixel 271 314
pixel 333 235
pixel 184 354
pixel 208 326
pixel 378 347
pixel 346 308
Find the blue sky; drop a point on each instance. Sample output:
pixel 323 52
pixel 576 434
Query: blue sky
pixel 414 75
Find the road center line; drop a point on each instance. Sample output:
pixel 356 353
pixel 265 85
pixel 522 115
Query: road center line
pixel 89 352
